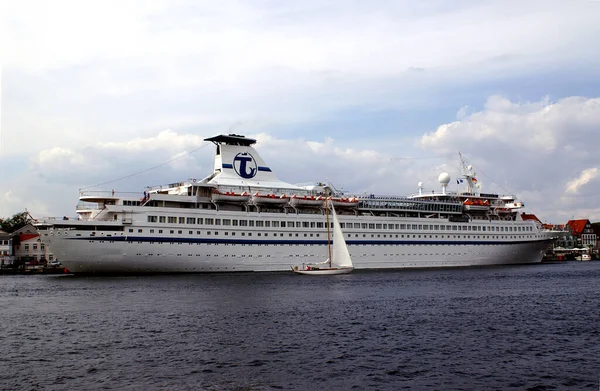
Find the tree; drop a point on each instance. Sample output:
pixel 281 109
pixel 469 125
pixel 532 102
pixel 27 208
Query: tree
pixel 16 222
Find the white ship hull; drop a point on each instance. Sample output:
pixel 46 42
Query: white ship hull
pixel 276 249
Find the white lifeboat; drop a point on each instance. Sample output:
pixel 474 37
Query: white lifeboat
pixel 344 202
pixel 303 201
pixel 270 199
pixel 229 196
pixel 476 204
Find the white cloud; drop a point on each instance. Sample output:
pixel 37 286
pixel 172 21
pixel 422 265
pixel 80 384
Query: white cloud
pixel 535 126
pixel 586 176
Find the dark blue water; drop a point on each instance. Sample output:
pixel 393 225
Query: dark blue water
pixel 504 328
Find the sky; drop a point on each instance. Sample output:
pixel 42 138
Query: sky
pixel 374 97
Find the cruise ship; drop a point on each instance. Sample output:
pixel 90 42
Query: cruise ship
pixel 242 218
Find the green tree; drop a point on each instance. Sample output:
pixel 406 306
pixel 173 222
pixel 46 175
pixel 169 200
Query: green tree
pixel 16 222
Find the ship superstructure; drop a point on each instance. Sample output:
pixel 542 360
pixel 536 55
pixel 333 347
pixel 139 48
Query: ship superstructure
pixel 243 218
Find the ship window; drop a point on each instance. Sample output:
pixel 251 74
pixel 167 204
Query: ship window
pixel 226 221
pixel 234 223
pixel 217 221
pixel 191 232
pixel 371 226
pixel 216 232
pixel 402 226
pixel 172 232
pixel 226 233
pixel 312 224
pixel 275 224
pixel 181 220
pixel 208 233
pixel 190 220
pixel 243 223
pixel 172 219
pixel 305 224
pixel 298 224
pixel 209 221
pixel 356 225
pixel 250 223
pixel 139 231
pixel 160 231
pixel 282 223
pixel 200 220
pixel 179 232
pixel 267 224
pixel 378 226
pixel 152 219
pixel 363 225
pixel 197 232
pixel 385 226
pixel 130 229
pixel 259 223
pixel 162 219
pixel 321 225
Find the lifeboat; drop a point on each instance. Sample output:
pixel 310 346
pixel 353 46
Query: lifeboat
pixel 343 202
pixel 304 201
pixel 230 196
pixel 270 199
pixel 476 204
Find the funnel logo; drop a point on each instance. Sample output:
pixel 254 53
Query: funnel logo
pixel 245 165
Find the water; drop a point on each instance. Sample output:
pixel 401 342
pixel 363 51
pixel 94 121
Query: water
pixel 504 328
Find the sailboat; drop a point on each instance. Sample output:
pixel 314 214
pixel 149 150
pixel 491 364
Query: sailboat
pixel 339 261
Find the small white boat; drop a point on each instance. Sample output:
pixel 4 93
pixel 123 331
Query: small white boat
pixel 339 261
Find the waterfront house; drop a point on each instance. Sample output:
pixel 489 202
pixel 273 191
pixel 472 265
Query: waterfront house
pixel 6 249
pixel 583 233
pixel 28 246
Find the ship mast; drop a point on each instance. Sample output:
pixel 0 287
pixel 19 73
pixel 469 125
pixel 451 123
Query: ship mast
pixel 469 175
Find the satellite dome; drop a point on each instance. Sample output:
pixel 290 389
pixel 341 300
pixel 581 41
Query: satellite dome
pixel 420 184
pixel 444 178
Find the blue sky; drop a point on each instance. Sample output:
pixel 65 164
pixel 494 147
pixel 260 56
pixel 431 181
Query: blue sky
pixel 335 89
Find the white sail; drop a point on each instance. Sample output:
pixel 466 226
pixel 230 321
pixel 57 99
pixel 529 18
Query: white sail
pixel 340 257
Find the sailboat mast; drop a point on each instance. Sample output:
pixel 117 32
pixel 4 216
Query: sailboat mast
pixel 328 231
